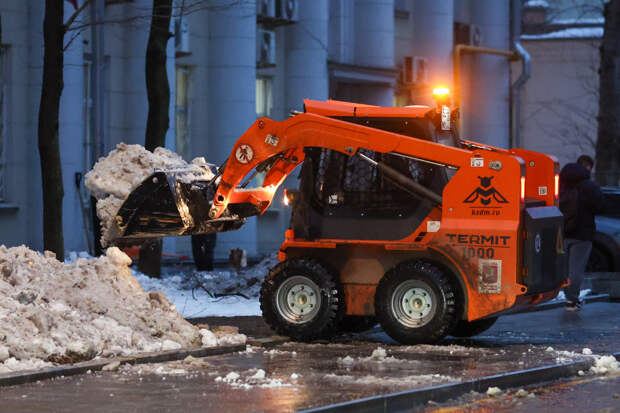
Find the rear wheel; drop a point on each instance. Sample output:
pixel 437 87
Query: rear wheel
pixel 301 299
pixel 416 303
pixel 466 328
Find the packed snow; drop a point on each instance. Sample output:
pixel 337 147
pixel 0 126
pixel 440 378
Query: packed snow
pixel 114 177
pixel 55 312
pixel 194 292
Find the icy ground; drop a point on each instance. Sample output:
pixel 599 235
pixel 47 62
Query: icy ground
pixel 188 290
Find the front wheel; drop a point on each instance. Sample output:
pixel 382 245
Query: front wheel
pixel 301 299
pixel 416 303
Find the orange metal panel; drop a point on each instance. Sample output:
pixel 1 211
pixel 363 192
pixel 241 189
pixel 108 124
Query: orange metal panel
pixel 360 299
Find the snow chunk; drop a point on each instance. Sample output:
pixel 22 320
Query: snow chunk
pixel 605 364
pixel 4 353
pixel 378 354
pixel 521 393
pixel 231 339
pixel 549 349
pixel 114 177
pixel 260 374
pixel 586 351
pixel 208 339
pixel 494 391
pixel 118 257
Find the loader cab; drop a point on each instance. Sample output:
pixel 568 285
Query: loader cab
pixel 345 197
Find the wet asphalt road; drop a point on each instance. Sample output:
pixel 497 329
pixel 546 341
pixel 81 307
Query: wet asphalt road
pixel 300 376
pixel 594 394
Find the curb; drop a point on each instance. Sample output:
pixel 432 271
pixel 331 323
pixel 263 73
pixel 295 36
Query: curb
pixel 12 379
pixel 412 400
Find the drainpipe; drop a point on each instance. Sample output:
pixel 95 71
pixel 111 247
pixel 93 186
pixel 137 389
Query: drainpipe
pixel 515 89
pixel 461 49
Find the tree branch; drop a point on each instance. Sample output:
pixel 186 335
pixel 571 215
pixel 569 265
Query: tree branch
pixel 76 14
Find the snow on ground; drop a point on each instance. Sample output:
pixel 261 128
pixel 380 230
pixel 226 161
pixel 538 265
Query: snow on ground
pixel 254 378
pixel 53 312
pixel 368 380
pixel 114 177
pixel 187 290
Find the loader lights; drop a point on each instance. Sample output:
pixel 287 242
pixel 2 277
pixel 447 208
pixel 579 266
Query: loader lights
pixel 556 186
pixel 441 91
pixel 522 188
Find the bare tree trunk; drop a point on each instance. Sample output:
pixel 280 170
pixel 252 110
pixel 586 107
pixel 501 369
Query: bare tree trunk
pixel 608 144
pixel 49 147
pixel 157 87
pixel 158 92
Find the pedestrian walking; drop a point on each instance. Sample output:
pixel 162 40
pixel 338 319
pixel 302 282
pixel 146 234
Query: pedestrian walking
pixel 580 200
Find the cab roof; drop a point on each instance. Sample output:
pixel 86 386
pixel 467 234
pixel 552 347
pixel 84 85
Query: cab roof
pixel 335 108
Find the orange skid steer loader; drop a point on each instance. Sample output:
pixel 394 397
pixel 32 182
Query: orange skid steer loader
pixel 396 220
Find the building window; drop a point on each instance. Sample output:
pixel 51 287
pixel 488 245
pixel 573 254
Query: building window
pixel 3 121
pixel 182 125
pixel 264 99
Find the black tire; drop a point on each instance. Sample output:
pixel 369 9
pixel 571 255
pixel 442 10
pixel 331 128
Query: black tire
pixel 416 303
pixel 356 323
pixel 466 328
pixel 605 255
pixel 284 287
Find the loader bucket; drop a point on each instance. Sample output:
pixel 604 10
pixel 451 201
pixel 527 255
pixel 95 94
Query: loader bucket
pixel 164 205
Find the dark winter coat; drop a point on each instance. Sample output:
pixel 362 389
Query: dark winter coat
pixel 590 199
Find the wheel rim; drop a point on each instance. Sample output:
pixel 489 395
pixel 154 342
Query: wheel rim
pixel 298 299
pixel 413 303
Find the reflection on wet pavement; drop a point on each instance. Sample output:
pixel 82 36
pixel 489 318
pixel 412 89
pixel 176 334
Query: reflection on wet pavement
pixel 297 376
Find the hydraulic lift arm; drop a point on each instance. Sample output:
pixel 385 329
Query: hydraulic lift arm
pixel 287 139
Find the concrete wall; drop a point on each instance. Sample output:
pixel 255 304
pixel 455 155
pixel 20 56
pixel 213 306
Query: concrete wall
pixel 560 101
pixel 20 215
pixel 231 97
pixel 485 88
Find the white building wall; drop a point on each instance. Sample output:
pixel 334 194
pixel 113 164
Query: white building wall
pixel 486 85
pixel 70 134
pixel 433 40
pixel 231 104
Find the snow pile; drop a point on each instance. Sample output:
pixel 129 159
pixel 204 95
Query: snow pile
pixel 188 291
pixel 114 177
pixel 53 312
pixel 605 364
pixel 255 378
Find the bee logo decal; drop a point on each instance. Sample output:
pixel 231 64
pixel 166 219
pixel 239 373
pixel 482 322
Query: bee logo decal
pixel 485 193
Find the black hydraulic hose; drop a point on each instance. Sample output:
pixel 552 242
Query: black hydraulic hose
pixel 406 183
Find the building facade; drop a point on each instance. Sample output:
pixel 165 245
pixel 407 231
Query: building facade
pixel 230 62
